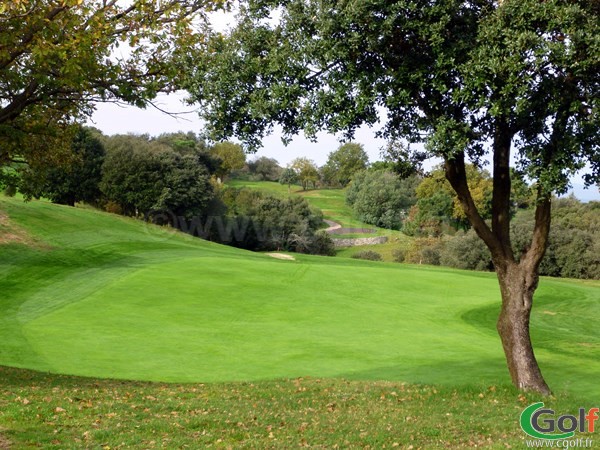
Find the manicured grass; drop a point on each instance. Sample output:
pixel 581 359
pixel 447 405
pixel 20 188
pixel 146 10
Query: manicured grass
pixel 395 241
pixel 104 296
pixel 319 352
pixel 333 204
pixel 271 187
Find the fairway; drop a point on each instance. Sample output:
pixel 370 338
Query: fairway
pixel 99 295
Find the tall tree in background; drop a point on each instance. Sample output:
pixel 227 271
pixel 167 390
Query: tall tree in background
pixel 288 176
pixel 231 157
pixel 307 172
pixel 403 160
pixel 264 168
pixel 59 57
pixel 468 78
pixel 347 160
pixel 147 177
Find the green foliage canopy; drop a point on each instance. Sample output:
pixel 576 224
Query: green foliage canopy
pixel 448 74
pixel 401 159
pixel 347 160
pixel 264 168
pixel 73 181
pixel 288 176
pixel 307 172
pixel 144 176
pixel 382 198
pixel 59 57
pixel 231 156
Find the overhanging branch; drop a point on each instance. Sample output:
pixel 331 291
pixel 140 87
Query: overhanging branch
pixel 541 231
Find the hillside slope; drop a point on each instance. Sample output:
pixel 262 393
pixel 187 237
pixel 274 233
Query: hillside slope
pixel 88 293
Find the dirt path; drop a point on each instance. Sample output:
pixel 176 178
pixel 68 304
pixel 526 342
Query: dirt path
pixel 332 226
pixel 336 228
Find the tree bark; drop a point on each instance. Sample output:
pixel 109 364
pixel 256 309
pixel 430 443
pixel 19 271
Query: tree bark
pixel 517 286
pixel 518 280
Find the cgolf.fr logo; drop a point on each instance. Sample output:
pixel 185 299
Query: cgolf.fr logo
pixel 542 423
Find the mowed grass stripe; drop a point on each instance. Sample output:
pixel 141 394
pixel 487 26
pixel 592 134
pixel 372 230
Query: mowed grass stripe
pixel 129 301
pixel 254 320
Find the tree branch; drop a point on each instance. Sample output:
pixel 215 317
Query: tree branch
pixel 28 37
pixel 456 174
pixel 19 103
pixel 533 257
pixel 501 187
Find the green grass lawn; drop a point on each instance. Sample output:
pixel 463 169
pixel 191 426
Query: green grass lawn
pixel 271 187
pixel 91 294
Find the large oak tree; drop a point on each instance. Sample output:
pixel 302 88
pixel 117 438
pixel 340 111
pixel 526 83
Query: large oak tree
pixel 58 57
pixel 514 79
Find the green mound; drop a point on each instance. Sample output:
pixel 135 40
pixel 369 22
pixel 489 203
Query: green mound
pixel 105 296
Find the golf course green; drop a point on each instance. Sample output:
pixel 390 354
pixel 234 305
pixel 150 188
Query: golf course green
pixel 92 294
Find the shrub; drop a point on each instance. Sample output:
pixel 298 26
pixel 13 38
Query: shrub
pixel 146 176
pixel 259 221
pixel 399 255
pixel 381 198
pixel 425 251
pixel 322 244
pixel 573 247
pixel 466 251
pixel 113 207
pixel 369 255
pixel 10 190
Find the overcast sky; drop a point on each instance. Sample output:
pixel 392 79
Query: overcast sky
pixel 114 119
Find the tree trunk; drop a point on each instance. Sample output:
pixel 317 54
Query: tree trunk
pixel 517 285
pixel 518 280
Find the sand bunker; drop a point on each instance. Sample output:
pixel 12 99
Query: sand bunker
pixel 281 256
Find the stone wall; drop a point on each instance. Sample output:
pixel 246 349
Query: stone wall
pixel 360 241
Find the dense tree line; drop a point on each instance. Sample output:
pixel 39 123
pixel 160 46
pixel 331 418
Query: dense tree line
pixel 381 197
pixel 128 174
pixel 255 220
pixel 427 208
pixel 340 168
pixel 573 248
pixel 141 175
pixel 176 179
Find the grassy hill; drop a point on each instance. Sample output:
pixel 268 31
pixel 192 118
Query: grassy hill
pixel 91 294
pixel 331 201
pixel 333 204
